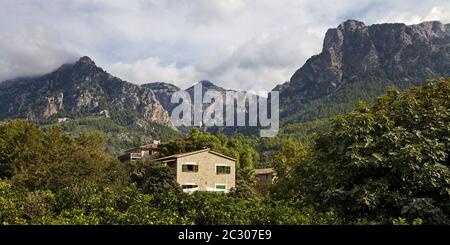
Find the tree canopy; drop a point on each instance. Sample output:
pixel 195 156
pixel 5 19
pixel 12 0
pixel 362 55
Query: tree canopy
pixel 386 160
pixel 383 163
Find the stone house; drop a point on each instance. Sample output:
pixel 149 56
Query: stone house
pixel 264 175
pixel 203 170
pixel 145 152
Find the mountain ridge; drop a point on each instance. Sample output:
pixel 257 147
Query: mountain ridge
pixel 357 62
pixel 353 53
pixel 75 89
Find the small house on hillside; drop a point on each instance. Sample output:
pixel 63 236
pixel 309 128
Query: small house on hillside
pixel 145 152
pixel 203 170
pixel 264 175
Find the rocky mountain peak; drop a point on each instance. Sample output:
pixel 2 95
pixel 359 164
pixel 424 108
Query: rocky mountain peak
pixel 210 85
pixel 86 60
pixel 351 25
pixel 85 65
pixel 395 53
pixel 432 29
pixel 350 29
pixel 206 85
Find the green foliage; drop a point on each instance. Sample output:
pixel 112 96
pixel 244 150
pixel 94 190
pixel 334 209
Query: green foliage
pixel 11 210
pixel 303 130
pixel 387 160
pixel 154 178
pixel 403 221
pixel 54 178
pixel 246 185
pixel 52 160
pixel 284 161
pixel 385 163
pixel 341 101
pixel 87 203
pixel 120 135
pixel 124 117
pixel 213 209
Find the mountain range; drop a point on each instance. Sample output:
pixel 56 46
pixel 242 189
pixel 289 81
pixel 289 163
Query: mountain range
pixel 357 62
pixel 82 96
pixel 361 62
pixel 79 89
pixel 164 92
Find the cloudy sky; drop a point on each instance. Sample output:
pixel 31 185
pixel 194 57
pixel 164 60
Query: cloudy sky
pixel 239 44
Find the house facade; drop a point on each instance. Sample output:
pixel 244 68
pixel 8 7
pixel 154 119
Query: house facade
pixel 203 170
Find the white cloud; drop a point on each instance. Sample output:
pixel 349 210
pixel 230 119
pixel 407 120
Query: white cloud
pixel 30 51
pixel 240 44
pixel 153 70
pixel 439 13
pixel 212 9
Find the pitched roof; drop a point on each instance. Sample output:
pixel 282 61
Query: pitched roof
pixel 193 153
pixel 264 171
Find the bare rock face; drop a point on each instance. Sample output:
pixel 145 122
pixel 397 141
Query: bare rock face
pixel 80 89
pixel 151 109
pixel 163 92
pixel 353 52
pixel 51 105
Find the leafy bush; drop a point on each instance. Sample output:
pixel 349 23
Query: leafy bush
pixel 387 160
pixel 52 160
pixel 154 178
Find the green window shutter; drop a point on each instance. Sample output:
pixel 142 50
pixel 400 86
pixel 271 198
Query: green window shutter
pixel 228 170
pixel 217 169
pixel 196 168
pixel 183 168
pixel 221 187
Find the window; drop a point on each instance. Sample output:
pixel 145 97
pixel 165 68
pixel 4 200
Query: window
pixel 222 169
pixel 190 168
pixel 221 188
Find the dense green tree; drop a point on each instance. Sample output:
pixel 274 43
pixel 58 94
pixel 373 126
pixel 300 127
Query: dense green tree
pixel 51 160
pixel 11 208
pixel 246 184
pixel 87 203
pixel 154 178
pixel 387 160
pixel 382 163
pixel 284 161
